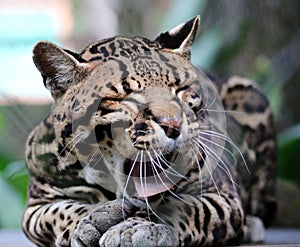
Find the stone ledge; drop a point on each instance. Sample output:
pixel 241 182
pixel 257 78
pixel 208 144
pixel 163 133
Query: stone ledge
pixel 275 237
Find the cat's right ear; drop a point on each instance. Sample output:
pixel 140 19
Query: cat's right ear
pixel 180 38
pixel 60 68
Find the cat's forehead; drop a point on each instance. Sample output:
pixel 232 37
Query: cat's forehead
pixel 118 46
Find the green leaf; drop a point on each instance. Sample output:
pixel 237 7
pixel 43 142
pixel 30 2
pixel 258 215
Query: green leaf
pixel 11 206
pixel 289 158
pixel 17 175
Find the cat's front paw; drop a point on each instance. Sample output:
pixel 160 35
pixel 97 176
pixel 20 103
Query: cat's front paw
pixel 139 232
pixel 255 229
pixel 97 222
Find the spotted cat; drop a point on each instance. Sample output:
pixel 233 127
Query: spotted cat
pixel 142 148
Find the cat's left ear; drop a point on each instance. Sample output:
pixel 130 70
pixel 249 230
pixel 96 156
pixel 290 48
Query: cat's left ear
pixel 180 38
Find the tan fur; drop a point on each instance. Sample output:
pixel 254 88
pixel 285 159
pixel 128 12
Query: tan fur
pixel 143 149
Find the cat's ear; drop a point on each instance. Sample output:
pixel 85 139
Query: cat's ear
pixel 60 68
pixel 180 38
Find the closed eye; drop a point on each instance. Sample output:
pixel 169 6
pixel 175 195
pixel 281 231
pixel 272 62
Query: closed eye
pixel 197 108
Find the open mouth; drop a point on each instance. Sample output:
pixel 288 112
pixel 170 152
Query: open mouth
pixel 150 176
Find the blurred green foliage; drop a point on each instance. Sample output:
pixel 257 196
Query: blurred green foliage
pixel 289 154
pixel 13 184
pixel 16 121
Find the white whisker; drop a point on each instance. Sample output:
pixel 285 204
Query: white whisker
pixel 175 195
pixel 208 166
pixel 220 111
pixel 77 138
pixel 217 159
pixel 199 166
pixel 127 182
pixel 165 172
pixel 144 187
pixel 209 104
pixel 161 158
pixel 220 146
pixel 227 139
pixel 92 158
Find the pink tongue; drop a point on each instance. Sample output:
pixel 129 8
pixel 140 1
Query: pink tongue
pixel 150 188
pixel 150 185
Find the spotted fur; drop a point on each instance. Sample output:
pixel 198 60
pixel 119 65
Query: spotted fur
pixel 143 149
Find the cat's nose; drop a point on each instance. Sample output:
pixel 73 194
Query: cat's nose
pixel 141 129
pixel 168 116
